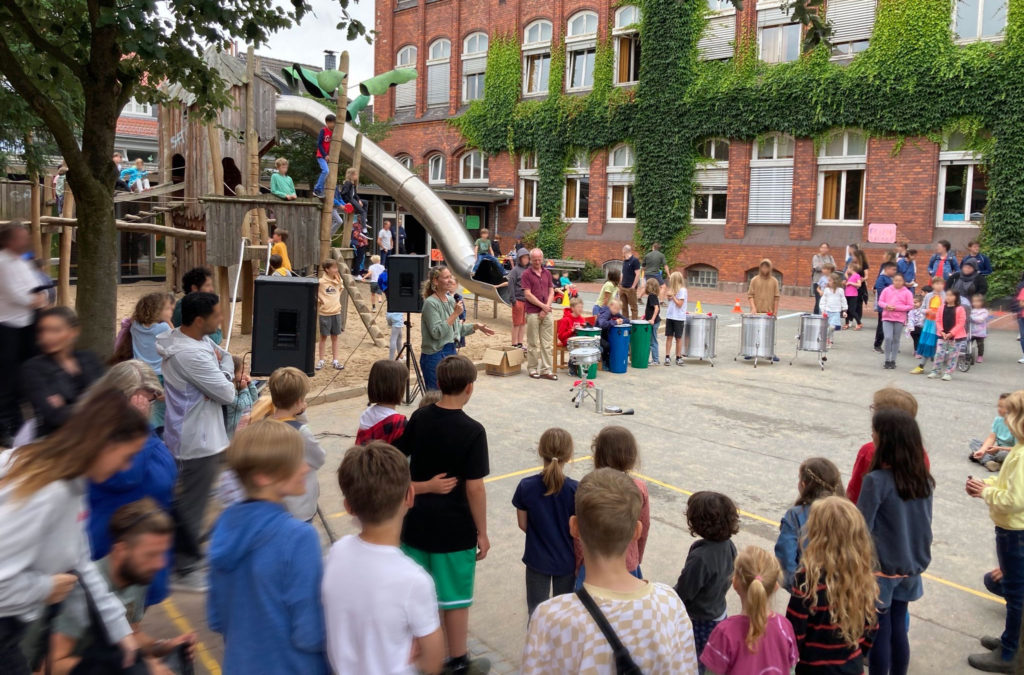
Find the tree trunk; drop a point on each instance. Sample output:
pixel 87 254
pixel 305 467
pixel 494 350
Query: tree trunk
pixel 96 301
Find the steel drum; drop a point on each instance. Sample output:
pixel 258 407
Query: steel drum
pixel 585 356
pixel 701 336
pixel 813 333
pixel 581 341
pixel 757 339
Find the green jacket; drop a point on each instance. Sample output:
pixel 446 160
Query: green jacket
pixel 281 186
pixel 434 325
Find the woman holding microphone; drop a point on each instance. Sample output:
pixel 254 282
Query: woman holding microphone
pixel 440 325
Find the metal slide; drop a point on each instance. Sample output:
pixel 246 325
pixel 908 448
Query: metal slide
pixel 296 112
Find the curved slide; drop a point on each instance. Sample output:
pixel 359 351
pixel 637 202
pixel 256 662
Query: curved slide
pixel 304 114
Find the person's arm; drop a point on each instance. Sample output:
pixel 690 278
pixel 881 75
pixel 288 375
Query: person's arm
pixel 691 580
pixel 657 312
pixel 750 297
pixel 302 592
pixel 208 376
pixel 775 302
pixel 39 390
pixel 433 322
pixel 906 304
pixel 645 521
pixel 314 454
pixel 429 652
pixel 986 445
pixel 278 187
pixel 954 266
pixel 869 500
pixel 109 607
pixel 842 297
pixel 982 285
pixel 985 265
pixel 532 299
pixel 860 469
pixel 476 495
pixel 960 326
pixel 521 519
pixel 551 296
pixel 797 612
pixel 787 548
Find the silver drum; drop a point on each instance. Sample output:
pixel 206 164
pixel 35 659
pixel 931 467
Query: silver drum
pixel 585 356
pixel 758 336
pixel 813 333
pixel 701 336
pixel 581 342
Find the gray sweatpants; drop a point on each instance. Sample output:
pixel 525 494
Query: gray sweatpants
pixel 892 331
pixel 191 496
pixel 395 343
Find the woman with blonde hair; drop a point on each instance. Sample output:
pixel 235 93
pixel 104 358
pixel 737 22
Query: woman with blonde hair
pixel 675 317
pixel 440 326
pixel 42 487
pixel 834 593
pixel 152 473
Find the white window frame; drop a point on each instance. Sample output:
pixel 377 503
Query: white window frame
pixel 477 35
pixel 709 166
pixel 843 163
pixel 721 7
pixel 478 162
pixel 712 194
pixel 537 48
pixel 998 37
pixel 578 169
pixel 402 60
pixel 625 30
pixel 435 61
pixel 528 174
pixel 774 162
pixel 405 160
pixel 621 175
pixel 853 23
pixel 760 41
pixel 135 108
pixel 471 64
pixel 576 42
pixel 699 269
pixel 948 158
pixel 437 177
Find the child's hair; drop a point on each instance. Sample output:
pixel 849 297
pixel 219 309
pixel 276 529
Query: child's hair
pixel 386 383
pixel 139 161
pixel 828 266
pixel 956 296
pixel 901 450
pixel 238 363
pixel 757 574
pixel 280 161
pixel 555 448
pixel 351 173
pixel 911 252
pixel 1004 396
pixel 283 234
pixel 374 479
pixel 576 301
pixel 1014 417
pixel 150 306
pixel 608 506
pixel 454 374
pixel 429 397
pixel 926 289
pixel 615 276
pixel 652 286
pixel 888 265
pixel 837 550
pixel 330 117
pixel 375 259
pixel 820 478
pixel 288 386
pixel 269 448
pixel 836 278
pixel 615 447
pixel 676 282
pixel 329 264
pixel 276 261
pixel 484 231
pixel 978 297
pixel 712 516
pixel 855 266
pixel 891 398
pixel 938 280
pixel 615 302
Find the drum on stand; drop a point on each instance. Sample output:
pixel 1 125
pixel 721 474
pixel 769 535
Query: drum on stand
pixel 702 337
pixel 813 337
pixel 757 337
pixel 585 359
pixel 581 342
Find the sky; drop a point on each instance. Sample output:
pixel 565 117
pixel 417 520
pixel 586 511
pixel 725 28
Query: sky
pixel 306 42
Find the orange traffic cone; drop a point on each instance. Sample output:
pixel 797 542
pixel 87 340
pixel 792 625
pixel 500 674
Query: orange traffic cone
pixel 736 309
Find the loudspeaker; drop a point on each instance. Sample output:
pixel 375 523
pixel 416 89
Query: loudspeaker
pixel 405 282
pixel 283 324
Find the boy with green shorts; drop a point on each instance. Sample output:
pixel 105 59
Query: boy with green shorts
pixel 447 533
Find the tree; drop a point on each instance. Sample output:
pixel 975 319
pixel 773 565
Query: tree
pixel 76 63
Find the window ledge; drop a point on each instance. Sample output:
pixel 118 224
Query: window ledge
pixel 474 182
pixel 839 223
pixel 970 41
pixel 959 224
pixel 579 90
pixel 529 219
pixel 576 220
pixel 708 221
pixel 535 94
pixel 626 221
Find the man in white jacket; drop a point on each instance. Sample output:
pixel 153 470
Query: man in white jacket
pixel 197 382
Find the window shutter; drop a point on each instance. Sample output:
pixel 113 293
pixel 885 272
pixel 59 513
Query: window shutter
pixel 716 43
pixel 474 65
pixel 772 16
pixel 771 195
pixel 437 83
pixel 405 95
pixel 851 19
pixel 717 179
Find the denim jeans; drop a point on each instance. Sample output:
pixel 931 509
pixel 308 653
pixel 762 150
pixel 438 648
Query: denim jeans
pixel 1020 330
pixel 428 365
pixel 540 587
pixel 319 187
pixel 654 341
pixel 1010 553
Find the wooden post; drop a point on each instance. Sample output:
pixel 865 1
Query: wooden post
pixel 248 295
pixel 258 225
pixel 64 259
pixel 36 213
pixel 332 161
pixel 216 162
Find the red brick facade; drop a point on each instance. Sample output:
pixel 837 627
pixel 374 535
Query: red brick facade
pixel 899 187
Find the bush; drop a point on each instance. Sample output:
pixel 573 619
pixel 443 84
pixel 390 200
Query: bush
pixel 591 272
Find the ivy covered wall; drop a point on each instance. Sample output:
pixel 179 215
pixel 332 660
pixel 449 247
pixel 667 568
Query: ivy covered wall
pixel 912 81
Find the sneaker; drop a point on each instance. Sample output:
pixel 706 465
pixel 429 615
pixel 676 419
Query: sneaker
pixel 775 359
pixel 947 377
pixel 191 582
pixel 679 361
pixel 991 662
pixel 318 195
pixel 991 642
pixel 479 666
pixel 859 326
pixel 932 375
pixel 879 350
pixel 337 365
pixel 917 370
pixel 1020 360
pixel 993 465
pixel 654 362
pixel 668 361
pixel 320 364
pixel 980 359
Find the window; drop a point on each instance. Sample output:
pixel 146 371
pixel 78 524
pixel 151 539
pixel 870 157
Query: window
pixel 528 181
pixel 979 20
pixel 405 160
pixel 771 180
pixel 536 57
pixel 627 45
pixel 842 160
pixel 716 150
pixel 720 5
pixel 437 170
pixel 852 23
pixel 474 167
pixel 716 43
pixel 581 47
pixel 712 181
pixel 135 107
pixel 778 38
pixel 702 276
pixel 438 73
pixel 405 94
pixel 577 188
pixel 963 182
pixel 474 63
pixel 620 184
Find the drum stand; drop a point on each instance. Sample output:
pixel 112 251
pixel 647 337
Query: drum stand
pixel 820 352
pixel 583 389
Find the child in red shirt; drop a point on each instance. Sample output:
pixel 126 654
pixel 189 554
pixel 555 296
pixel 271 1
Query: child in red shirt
pixel 571 318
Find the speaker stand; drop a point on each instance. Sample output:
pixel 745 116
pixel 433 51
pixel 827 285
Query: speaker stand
pixel 412 363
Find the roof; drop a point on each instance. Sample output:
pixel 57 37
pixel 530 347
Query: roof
pixel 141 127
pixel 454 194
pixel 230 68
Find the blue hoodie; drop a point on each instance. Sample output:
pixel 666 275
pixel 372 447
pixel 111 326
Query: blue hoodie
pixel 265 571
pixel 144 343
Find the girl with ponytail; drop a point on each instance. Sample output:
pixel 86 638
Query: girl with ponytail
pixel 757 640
pixel 544 503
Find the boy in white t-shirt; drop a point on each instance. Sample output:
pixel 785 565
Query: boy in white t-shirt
pixel 380 607
pixel 372 275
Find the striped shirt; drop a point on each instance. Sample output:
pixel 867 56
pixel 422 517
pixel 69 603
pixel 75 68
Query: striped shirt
pixel 822 650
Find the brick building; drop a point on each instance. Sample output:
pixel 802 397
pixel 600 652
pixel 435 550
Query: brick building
pixel 777 197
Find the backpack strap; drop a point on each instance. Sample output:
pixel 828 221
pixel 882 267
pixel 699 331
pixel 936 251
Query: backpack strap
pixel 624 664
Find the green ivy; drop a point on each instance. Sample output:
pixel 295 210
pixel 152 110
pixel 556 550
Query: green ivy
pixel 913 80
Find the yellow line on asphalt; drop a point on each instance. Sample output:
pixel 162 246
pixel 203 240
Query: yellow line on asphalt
pixel 184 626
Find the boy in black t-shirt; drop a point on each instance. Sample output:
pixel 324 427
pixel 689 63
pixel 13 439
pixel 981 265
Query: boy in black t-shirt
pixel 447 533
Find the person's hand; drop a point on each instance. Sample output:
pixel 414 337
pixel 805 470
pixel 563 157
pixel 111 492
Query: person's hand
pixel 482 327
pixel 157 668
pixel 129 650
pixel 978 454
pixel 974 487
pixel 483 545
pixel 460 307
pixel 997 575
pixel 61 586
pixel 188 640
pixel 542 314
pixel 55 401
pixel 441 484
pixel 245 381
pixel 40 300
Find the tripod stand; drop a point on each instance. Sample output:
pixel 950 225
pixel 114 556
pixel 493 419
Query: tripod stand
pixel 412 363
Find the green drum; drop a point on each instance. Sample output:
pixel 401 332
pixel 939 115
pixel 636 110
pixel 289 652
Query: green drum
pixel 640 343
pixel 589 331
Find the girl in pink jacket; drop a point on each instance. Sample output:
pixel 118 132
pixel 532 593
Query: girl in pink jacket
pixel 952 330
pixel 895 301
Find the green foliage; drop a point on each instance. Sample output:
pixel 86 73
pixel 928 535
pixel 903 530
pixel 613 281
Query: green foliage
pixel 299 148
pixel 913 80
pixel 591 271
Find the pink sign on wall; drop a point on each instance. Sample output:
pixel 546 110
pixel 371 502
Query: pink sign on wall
pixel 882 233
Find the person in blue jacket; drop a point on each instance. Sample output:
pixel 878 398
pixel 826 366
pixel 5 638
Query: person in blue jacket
pixel 265 565
pixel 942 261
pixel 984 265
pixel 610 315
